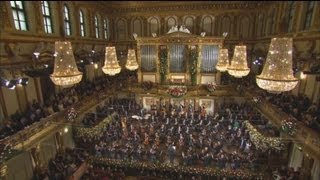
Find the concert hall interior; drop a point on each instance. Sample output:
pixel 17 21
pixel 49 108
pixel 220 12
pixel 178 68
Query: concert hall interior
pixel 153 90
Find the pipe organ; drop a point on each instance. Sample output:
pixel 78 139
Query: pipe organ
pixel 170 59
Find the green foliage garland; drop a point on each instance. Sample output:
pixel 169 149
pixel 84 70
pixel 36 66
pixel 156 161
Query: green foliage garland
pixel 193 65
pixel 163 64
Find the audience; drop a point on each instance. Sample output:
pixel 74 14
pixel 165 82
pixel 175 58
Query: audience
pixel 61 101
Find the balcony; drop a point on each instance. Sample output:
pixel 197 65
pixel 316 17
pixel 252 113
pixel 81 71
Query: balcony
pixel 308 139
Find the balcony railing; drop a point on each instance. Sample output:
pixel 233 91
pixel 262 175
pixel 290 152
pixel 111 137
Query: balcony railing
pixel 304 136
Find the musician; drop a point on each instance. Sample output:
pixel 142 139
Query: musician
pixel 171 152
pixel 153 153
pixel 146 139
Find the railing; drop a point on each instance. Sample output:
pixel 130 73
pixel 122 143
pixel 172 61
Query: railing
pixel 307 137
pixel 56 118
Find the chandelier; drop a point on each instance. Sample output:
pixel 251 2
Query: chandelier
pixel 65 72
pixel 239 67
pixel 277 73
pixel 132 60
pixel 223 60
pixel 111 65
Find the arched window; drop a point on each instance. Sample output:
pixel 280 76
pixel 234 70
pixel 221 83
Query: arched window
pixel 19 15
pixel 67 22
pixel 105 28
pixel 46 13
pixel 96 25
pixel 292 8
pixel 82 27
pixel 308 18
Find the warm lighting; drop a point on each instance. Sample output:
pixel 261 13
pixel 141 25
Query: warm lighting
pixel 95 66
pixel 66 129
pixel 239 67
pixel 65 72
pixel 223 60
pixel 277 73
pixel 132 60
pixel 111 66
pixel 36 54
pixel 303 75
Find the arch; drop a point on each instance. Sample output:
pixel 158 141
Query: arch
pixel 207 24
pixel 189 22
pixel 82 23
pixel 97 26
pixel 171 21
pixel 153 25
pixel 137 26
pixel 67 20
pixel 106 28
pixel 244 27
pixel 121 28
pixel 225 24
pixel 47 16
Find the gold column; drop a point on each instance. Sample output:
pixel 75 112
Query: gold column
pixel 59 140
pixel 139 62
pixel 35 152
pixel 199 64
pixel 4 14
pixel 3 171
pixel 188 78
pixel 39 21
pixel 22 98
pixel 158 65
pixel 315 24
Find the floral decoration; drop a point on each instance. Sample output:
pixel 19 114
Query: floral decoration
pixel 193 62
pixel 96 131
pixel 72 114
pixel 177 91
pixel 211 87
pixel 260 141
pixel 163 64
pixel 288 126
pixel 178 169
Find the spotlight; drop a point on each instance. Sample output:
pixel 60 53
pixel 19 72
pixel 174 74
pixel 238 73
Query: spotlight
pixel 36 54
pixel 7 83
pixel 12 84
pixel 4 82
pixel 24 81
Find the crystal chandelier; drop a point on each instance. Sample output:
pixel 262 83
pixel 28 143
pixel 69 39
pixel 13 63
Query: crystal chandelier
pixel 65 72
pixel 132 60
pixel 111 65
pixel 277 73
pixel 223 60
pixel 239 67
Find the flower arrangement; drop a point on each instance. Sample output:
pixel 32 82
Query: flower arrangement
pixel 177 91
pixel 288 126
pixel 163 64
pixel 260 141
pixel 211 87
pixel 96 131
pixel 244 174
pixel 146 85
pixel 72 114
pixel 193 64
